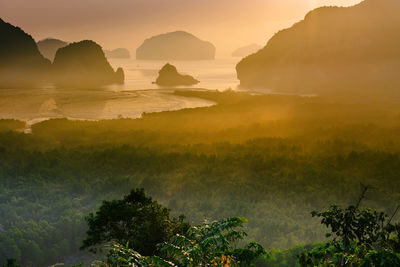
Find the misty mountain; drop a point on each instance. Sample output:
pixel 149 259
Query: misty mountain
pixel 246 50
pixel 84 64
pixel 49 46
pixel 177 45
pixel 21 63
pixel 117 53
pixel 334 49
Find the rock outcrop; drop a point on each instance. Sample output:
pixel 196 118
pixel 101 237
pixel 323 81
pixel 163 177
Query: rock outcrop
pixel 84 64
pixel 117 53
pixel 246 50
pixel 178 45
pixel 334 49
pixel 169 76
pixel 21 64
pixel 48 47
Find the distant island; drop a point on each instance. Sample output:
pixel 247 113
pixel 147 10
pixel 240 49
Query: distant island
pixel 118 53
pixel 84 64
pixel 21 63
pixel 334 49
pixel 169 76
pixel 177 45
pixel 81 64
pixel 48 47
pixel 246 50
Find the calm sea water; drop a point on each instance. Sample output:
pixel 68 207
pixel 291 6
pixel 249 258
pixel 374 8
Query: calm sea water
pixel 130 100
pixel 212 74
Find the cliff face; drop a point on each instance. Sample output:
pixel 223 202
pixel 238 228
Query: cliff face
pixel 84 64
pixel 48 47
pixel 169 76
pixel 333 48
pixel 21 63
pixel 175 46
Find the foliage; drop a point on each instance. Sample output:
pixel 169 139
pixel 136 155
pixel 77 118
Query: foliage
pixel 45 193
pixel 209 244
pixel 269 158
pixel 249 254
pixel 136 220
pixel 284 257
pixel 11 263
pixel 123 256
pixel 361 237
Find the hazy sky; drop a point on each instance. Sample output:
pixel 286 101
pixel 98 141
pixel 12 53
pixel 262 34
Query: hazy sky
pixel 126 23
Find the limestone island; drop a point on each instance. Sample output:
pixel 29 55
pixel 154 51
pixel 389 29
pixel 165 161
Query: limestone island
pixel 333 50
pixel 84 64
pixel 21 64
pixel 177 45
pixel 169 76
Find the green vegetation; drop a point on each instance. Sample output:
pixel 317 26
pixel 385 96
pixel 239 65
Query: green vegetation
pixel 135 220
pixel 270 159
pixel 11 125
pixel 210 244
pixel 238 118
pixel 361 237
pixel 144 225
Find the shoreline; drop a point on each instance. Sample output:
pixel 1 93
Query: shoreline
pixel 102 104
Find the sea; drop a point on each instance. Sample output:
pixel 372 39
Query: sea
pixel 131 100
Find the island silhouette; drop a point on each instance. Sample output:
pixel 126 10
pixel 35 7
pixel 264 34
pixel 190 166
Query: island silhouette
pixel 334 49
pixel 84 64
pixel 49 46
pixel 169 76
pixel 21 63
pixel 81 64
pixel 177 45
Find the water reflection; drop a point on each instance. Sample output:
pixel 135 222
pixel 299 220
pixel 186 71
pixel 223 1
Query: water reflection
pixel 40 104
pixel 130 100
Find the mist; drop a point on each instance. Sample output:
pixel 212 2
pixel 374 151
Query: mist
pixel 228 24
pixel 136 131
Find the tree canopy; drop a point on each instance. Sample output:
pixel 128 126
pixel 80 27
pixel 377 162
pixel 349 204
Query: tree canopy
pixel 136 220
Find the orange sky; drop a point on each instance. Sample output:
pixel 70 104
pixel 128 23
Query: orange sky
pixel 126 23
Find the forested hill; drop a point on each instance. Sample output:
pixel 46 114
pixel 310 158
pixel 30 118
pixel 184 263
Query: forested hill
pixel 271 159
pixel 340 49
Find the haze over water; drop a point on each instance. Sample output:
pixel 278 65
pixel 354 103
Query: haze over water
pixel 130 100
pixel 213 74
pixel 227 24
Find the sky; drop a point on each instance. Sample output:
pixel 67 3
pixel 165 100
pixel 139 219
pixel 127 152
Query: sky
pixel 228 24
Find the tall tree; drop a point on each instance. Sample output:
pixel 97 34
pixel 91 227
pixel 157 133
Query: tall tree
pixel 136 220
